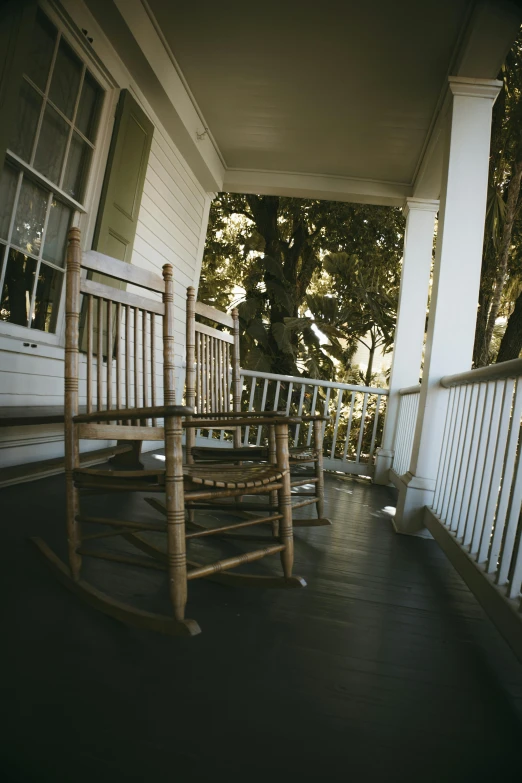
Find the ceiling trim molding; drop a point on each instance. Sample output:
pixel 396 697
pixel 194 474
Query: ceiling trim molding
pixel 316 186
pixel 139 19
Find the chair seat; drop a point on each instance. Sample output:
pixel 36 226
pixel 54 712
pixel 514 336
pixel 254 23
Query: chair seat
pixel 222 476
pixel 304 453
pixel 214 453
pixel 233 476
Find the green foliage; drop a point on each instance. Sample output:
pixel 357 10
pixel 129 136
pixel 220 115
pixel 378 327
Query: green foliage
pixel 310 278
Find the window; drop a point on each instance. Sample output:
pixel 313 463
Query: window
pixel 44 176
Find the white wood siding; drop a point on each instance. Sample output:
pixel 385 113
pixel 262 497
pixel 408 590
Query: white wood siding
pixel 171 229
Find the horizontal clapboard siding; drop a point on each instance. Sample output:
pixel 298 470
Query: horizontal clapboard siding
pixel 170 229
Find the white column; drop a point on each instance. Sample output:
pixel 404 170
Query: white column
pixel 411 320
pixel 456 279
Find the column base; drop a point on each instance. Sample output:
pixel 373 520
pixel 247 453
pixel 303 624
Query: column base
pixel 415 493
pixel 383 464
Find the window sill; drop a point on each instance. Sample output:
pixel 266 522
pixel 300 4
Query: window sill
pixel 20 339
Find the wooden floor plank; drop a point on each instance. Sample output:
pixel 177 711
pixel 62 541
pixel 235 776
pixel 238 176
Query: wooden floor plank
pixel 383 669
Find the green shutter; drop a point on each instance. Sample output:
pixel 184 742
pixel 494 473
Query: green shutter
pixel 121 195
pixel 124 178
pixel 16 24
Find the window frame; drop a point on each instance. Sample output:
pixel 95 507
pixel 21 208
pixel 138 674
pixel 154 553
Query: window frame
pixel 84 214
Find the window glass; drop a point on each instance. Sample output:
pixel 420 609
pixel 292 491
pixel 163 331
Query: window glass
pixel 56 233
pixel 86 118
pixel 77 167
pixel 47 299
pixel 30 217
pixel 29 107
pixel 8 181
pixel 51 145
pixel 66 80
pixel 40 48
pixel 57 115
pixel 15 301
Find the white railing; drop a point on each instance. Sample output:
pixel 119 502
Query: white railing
pixel 478 493
pixel 356 415
pixel 406 419
pixel 351 434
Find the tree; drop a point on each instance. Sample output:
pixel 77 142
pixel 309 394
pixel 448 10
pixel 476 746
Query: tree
pixel 503 234
pixel 266 254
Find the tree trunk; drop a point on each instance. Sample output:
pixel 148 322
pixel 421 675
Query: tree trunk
pixel 511 343
pixel 505 244
pixel 371 357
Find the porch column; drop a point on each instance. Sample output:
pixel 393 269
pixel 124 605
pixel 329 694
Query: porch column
pixel 456 278
pixel 411 320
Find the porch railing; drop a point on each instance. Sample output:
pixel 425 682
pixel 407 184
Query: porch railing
pixel 407 416
pixel 478 493
pixel 351 434
pixel 356 415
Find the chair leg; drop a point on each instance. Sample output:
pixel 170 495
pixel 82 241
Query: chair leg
pixel 319 470
pixel 73 538
pixel 272 458
pixel 175 505
pixel 286 535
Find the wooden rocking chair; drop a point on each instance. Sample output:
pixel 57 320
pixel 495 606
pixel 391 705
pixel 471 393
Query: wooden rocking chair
pixel 124 332
pixel 213 388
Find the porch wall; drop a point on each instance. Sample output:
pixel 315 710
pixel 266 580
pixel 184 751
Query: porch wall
pixel 171 229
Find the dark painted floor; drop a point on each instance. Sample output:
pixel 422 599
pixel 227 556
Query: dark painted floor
pixel 383 669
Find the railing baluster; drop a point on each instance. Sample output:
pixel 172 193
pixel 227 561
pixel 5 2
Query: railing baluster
pixel 89 353
pixel 153 363
pixel 451 412
pixel 312 412
pixel 299 413
pixel 336 424
pixel 118 354
pixel 452 453
pixel 375 422
pixel 250 407
pixel 109 354
pixel 508 546
pixel 485 477
pixel 99 360
pixel 136 360
pixel 263 403
pixel 276 398
pixel 349 426
pixel 507 480
pixel 452 520
pixel 326 409
pixel 361 430
pixel 289 398
pixel 505 392
pixel 145 360
pixel 469 455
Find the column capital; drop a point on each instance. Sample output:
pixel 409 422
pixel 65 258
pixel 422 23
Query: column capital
pixel 423 204
pixel 474 88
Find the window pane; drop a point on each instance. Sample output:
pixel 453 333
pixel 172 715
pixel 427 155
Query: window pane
pixel 8 181
pixel 77 167
pixel 28 112
pixel 30 216
pixel 87 116
pixel 18 288
pixel 56 234
pixel 40 47
pixel 66 79
pixel 47 299
pixel 51 145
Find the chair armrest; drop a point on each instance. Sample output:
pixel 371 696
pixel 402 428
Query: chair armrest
pixel 237 414
pixel 223 424
pixel 157 412
pixel 315 417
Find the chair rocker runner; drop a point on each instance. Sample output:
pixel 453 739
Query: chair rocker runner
pixel 213 388
pixel 122 326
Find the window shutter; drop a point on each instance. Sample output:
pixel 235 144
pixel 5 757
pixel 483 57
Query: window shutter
pixel 124 179
pixel 16 21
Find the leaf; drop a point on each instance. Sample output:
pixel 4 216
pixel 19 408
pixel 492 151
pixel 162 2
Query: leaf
pixel 256 329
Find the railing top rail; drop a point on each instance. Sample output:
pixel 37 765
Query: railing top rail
pixel 410 390
pixel 494 372
pixel 313 382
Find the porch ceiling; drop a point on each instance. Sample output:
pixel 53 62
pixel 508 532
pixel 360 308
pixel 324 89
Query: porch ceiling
pixel 342 89
pixel 337 101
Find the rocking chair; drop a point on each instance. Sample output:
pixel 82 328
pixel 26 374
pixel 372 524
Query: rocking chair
pixel 213 388
pixel 122 325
